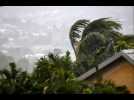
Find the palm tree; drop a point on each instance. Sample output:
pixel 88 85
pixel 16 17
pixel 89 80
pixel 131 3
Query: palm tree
pixel 92 36
pixel 105 26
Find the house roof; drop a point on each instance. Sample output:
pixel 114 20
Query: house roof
pixel 127 54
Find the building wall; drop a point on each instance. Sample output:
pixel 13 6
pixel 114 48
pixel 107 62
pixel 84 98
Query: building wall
pixel 121 74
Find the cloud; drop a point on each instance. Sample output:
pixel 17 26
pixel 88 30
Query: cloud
pixel 41 48
pixel 35 56
pixel 2 30
pixel 23 20
pixel 4 51
pixel 7 25
pixel 11 45
pixel 10 39
pixel 39 34
pixel 55 11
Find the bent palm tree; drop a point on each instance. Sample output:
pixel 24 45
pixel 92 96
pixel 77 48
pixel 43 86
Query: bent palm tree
pixel 105 27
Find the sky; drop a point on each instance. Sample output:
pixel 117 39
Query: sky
pixel 34 31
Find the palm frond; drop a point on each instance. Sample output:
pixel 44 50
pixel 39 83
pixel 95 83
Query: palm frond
pixel 75 31
pixel 101 25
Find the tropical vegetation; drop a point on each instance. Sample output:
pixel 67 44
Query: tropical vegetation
pixel 92 42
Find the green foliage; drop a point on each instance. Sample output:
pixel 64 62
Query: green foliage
pixel 14 81
pixel 55 75
pixel 123 43
pixel 107 87
pixel 92 42
pixel 99 35
pixel 87 91
pixel 102 25
pixel 75 31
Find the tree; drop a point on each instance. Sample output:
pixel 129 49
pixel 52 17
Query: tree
pixel 54 74
pixel 103 32
pixel 14 81
pixel 124 43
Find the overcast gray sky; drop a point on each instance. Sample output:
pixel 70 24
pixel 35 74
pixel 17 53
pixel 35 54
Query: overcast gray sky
pixel 35 30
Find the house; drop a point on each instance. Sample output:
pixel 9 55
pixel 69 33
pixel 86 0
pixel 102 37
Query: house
pixel 118 68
